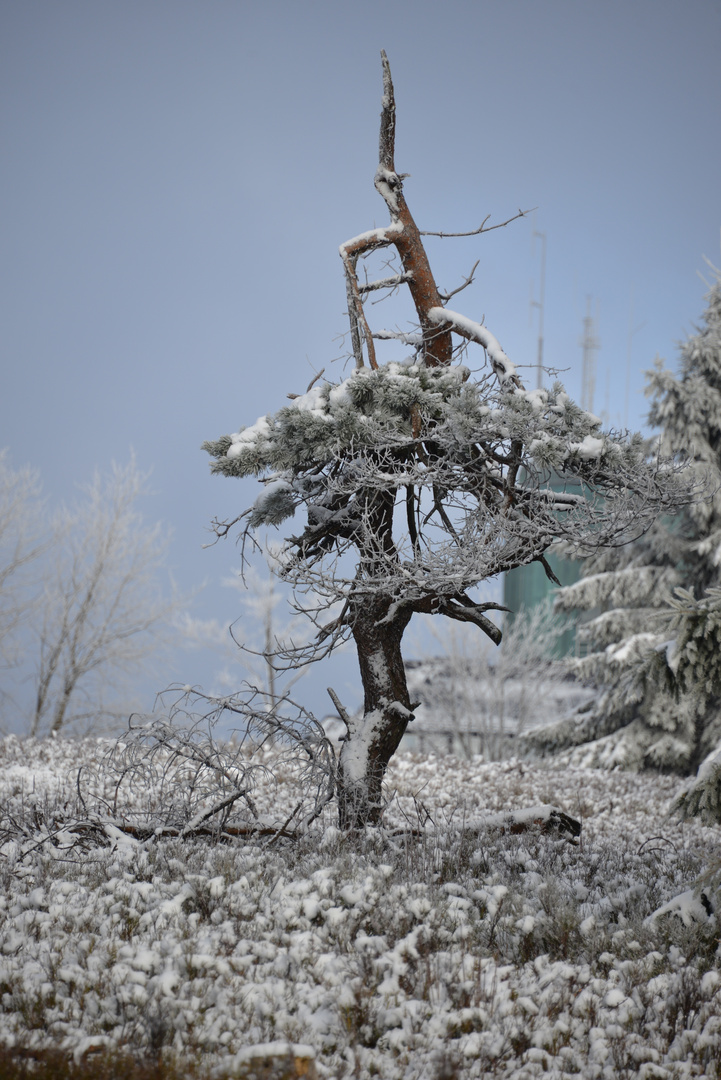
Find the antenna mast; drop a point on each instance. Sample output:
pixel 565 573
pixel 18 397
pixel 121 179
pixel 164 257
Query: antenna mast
pixel 590 344
pixel 632 331
pixel 540 305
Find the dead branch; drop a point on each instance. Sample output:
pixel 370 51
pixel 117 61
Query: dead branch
pixel 385 283
pixel 466 282
pixel 474 331
pixel 464 613
pixel 352 298
pixel 341 709
pixel 172 777
pixel 397 335
pixel 404 235
pixel 482 227
pixel 547 569
pixel 314 380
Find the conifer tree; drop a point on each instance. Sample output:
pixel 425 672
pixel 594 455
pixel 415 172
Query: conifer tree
pixel 698 669
pixel 418 481
pixel 653 629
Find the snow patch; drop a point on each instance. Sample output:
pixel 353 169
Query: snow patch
pixel 242 440
pixel 501 364
pixel 589 449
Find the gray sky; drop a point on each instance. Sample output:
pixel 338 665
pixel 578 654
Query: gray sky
pixel 177 176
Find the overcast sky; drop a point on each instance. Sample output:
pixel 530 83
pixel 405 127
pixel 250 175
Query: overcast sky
pixel 177 176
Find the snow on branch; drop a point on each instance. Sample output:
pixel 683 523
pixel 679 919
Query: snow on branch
pixel 384 283
pixel 349 252
pixel 474 331
pixel 369 240
pixel 398 335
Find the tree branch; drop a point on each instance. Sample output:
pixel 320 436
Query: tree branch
pixel 546 566
pixel 397 335
pixel 474 331
pixel 461 613
pixel 356 313
pixel 387 140
pixel 387 283
pixel 411 515
pixel 482 227
pixel 403 233
pixel 340 708
pixel 466 282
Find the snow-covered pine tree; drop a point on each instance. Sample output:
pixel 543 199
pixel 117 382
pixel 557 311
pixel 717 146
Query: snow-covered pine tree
pixel 652 640
pixel 419 481
pixel 696 665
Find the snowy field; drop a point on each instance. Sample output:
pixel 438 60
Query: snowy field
pixel 441 946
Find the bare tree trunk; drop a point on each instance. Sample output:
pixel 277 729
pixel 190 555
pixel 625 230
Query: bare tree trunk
pixel 374 738
pixel 62 707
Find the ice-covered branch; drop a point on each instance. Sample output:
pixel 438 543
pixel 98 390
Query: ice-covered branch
pixel 384 283
pixel 398 335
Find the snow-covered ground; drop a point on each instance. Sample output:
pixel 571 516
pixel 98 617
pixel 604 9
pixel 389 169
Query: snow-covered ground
pixel 437 947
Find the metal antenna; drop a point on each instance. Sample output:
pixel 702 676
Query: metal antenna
pixel 606 414
pixel 539 304
pixel 590 344
pixel 632 331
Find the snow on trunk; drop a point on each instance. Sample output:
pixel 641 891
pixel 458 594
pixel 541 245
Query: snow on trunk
pixel 374 737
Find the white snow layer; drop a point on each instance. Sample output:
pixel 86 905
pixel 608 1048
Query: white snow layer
pixel 240 440
pixel 476 332
pixel 589 449
pixel 370 237
pixel 389 954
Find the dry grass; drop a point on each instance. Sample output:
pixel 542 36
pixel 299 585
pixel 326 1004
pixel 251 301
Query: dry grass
pixel 21 1064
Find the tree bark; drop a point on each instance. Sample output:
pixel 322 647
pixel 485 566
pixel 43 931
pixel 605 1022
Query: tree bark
pixel 438 346
pixel 373 738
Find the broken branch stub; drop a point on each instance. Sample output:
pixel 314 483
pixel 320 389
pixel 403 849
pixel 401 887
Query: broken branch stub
pixel 404 235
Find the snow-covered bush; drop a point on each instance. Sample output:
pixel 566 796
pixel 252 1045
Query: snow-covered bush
pixel 393 952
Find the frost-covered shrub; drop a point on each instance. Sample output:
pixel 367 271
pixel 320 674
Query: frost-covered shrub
pixel 433 940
